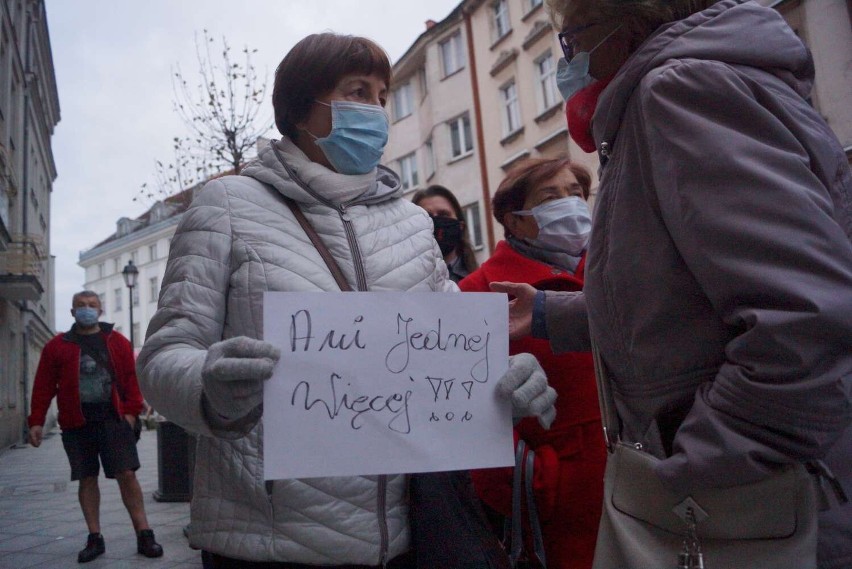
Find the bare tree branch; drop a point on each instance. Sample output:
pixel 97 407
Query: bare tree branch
pixel 221 110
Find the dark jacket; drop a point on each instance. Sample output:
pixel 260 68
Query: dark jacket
pixel 720 262
pixel 58 375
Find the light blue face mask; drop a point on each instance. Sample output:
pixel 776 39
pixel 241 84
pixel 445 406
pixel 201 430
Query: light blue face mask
pixel 564 225
pixel 86 316
pixel 572 76
pixel 357 139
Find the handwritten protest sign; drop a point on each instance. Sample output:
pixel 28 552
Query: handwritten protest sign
pixel 385 382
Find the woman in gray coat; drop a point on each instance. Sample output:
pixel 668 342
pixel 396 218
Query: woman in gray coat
pixel 204 362
pixel 719 278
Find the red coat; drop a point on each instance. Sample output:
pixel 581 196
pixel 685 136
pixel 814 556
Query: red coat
pixel 570 457
pixel 58 376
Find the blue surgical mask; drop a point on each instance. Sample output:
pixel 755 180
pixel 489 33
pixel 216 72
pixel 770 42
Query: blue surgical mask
pixel 86 316
pixel 564 225
pixel 357 139
pixel 573 76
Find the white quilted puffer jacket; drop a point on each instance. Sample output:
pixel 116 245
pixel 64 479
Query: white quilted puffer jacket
pixel 237 240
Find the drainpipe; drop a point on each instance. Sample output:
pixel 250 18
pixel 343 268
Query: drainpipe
pixel 25 181
pixel 480 138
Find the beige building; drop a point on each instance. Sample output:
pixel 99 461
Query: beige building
pixel 476 93
pixel 433 118
pixel 516 52
pixel 29 111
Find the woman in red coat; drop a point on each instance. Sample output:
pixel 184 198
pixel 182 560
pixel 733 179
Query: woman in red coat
pixel 542 207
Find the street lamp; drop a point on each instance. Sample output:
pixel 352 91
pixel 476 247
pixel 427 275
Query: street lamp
pixel 130 273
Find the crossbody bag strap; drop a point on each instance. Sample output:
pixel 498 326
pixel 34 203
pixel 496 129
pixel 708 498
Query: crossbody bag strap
pixel 326 255
pixel 535 524
pixel 609 415
pixel 517 544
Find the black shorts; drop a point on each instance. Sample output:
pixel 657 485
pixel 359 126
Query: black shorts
pixel 112 440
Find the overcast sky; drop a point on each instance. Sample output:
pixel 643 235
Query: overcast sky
pixel 113 62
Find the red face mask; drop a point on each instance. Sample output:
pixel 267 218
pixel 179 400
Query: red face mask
pixel 579 111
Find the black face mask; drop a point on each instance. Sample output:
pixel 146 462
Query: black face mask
pixel 448 233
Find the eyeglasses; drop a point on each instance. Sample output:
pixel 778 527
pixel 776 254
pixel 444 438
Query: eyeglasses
pixel 568 39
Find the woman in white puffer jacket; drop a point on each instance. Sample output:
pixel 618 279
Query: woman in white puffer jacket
pixel 203 363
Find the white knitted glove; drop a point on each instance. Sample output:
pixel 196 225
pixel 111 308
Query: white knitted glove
pixel 233 375
pixel 526 385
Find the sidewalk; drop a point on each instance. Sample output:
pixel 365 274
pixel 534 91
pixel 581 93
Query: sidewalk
pixel 41 524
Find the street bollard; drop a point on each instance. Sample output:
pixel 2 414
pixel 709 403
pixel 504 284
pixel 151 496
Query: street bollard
pixel 172 463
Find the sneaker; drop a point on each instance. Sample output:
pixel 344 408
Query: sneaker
pixel 94 546
pixel 147 545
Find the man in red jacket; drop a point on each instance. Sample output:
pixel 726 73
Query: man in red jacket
pixel 92 373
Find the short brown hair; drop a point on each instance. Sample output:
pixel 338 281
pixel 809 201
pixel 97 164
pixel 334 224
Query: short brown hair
pixel 512 192
pixel 314 67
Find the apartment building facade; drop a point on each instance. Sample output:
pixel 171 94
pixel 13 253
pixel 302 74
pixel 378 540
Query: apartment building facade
pixel 476 93
pixel 29 111
pixel 433 122
pixel 145 241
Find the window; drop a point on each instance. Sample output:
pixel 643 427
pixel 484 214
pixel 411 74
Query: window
pixel 474 228
pixel 134 295
pixel 152 252
pixel 134 256
pixel 402 101
pixel 452 54
pixel 137 338
pixel 103 298
pixel 430 159
pixel 511 109
pixel 460 137
pixel 101 270
pixel 408 171
pixel 117 299
pixel 424 84
pixel 547 94
pixel 500 19
pixel 116 265
pixel 153 289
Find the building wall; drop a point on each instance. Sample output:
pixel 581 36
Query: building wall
pixel 29 111
pixel 103 266
pixel 825 27
pixel 440 97
pixel 512 58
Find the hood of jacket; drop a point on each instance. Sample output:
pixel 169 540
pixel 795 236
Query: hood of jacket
pixel 284 166
pixel 712 34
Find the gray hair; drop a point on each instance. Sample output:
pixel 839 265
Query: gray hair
pixel 86 293
pixel 647 15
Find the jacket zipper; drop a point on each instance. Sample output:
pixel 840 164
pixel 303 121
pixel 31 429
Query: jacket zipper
pixel 383 520
pixel 361 277
pixel 357 260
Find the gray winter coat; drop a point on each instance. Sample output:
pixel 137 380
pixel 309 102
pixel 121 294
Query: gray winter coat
pixel 719 276
pixel 236 241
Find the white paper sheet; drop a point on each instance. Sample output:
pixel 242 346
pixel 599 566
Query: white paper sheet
pixel 385 382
